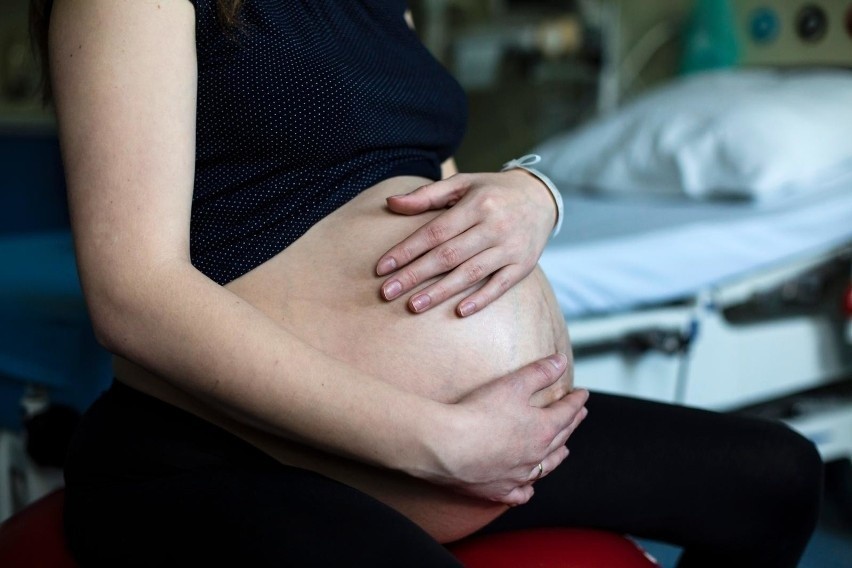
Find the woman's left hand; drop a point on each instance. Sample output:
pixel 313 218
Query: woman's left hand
pixel 494 231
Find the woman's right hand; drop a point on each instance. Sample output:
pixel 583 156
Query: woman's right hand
pixel 498 438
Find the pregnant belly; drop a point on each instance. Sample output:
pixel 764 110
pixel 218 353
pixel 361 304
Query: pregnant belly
pixel 323 289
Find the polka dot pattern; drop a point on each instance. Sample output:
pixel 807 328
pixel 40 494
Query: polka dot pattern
pixel 308 104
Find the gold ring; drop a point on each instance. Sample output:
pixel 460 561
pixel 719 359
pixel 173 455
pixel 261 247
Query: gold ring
pixel 540 470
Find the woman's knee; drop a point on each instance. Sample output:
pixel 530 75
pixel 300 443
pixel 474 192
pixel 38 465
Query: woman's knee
pixel 787 477
pixel 795 459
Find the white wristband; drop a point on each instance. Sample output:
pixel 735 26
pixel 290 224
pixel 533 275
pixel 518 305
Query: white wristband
pixel 524 163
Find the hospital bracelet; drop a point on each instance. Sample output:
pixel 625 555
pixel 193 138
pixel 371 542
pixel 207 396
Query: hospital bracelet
pixel 524 163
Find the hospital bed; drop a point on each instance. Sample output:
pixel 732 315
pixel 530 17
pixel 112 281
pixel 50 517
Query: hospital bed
pixel 714 305
pixel 705 257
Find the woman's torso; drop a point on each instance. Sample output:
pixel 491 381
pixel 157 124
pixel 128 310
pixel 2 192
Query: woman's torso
pixel 324 290
pixel 302 107
pixel 299 110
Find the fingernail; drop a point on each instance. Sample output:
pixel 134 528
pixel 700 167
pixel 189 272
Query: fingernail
pixel 391 290
pixel 466 309
pixel 386 265
pixel 558 361
pixel 421 302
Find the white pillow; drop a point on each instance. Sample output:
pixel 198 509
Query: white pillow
pixel 757 134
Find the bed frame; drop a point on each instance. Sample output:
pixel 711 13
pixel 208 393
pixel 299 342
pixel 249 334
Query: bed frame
pixel 786 333
pixel 671 352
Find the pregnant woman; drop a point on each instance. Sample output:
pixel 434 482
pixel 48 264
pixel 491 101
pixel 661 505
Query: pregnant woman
pixel 321 356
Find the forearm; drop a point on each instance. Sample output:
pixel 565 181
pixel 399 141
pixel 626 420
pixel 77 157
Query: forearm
pixel 211 343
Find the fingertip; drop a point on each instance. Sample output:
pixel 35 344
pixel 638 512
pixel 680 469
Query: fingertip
pixel 541 373
pixel 401 203
pixel 466 309
pixel 519 496
pixel 392 202
pixel 411 193
pixel 559 361
pixel 386 266
pixel 419 303
pixel 391 290
pixel 405 204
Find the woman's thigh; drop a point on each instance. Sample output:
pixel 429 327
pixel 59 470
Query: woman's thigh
pixel 150 485
pixel 702 480
pixel 244 518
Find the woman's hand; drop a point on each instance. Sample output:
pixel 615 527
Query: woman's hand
pixel 494 450
pixel 494 231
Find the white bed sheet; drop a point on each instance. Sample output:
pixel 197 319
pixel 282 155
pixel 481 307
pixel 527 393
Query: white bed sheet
pixel 617 254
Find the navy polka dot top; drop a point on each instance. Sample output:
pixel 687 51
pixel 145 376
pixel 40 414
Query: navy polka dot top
pixel 308 104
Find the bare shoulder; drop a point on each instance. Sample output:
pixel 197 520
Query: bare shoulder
pixel 102 33
pixel 116 19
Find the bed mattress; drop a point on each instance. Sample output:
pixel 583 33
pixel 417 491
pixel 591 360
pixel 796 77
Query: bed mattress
pixel 619 254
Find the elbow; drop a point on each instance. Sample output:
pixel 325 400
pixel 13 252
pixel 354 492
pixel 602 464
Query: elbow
pixel 129 308
pixel 106 335
pixel 128 290
pixel 109 321
pixel 117 302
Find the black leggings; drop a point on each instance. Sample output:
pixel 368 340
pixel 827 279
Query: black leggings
pixel 150 485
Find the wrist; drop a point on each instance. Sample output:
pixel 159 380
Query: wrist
pixel 439 431
pixel 538 190
pixel 525 163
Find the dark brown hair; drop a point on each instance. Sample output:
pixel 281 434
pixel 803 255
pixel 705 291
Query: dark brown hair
pixel 228 12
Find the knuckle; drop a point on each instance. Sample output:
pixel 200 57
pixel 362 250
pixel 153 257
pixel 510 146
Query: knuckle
pixel 553 430
pixel 528 264
pixel 475 272
pixel 543 440
pixel 516 384
pixel 559 391
pixel 438 292
pixel 448 257
pixel 490 204
pixel 409 277
pixel 502 224
pixel 435 234
pixel 406 253
pixel 461 179
pixel 503 282
pixel 541 369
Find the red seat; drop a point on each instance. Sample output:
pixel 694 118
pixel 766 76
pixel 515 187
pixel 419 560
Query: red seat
pixel 552 548
pixel 33 537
